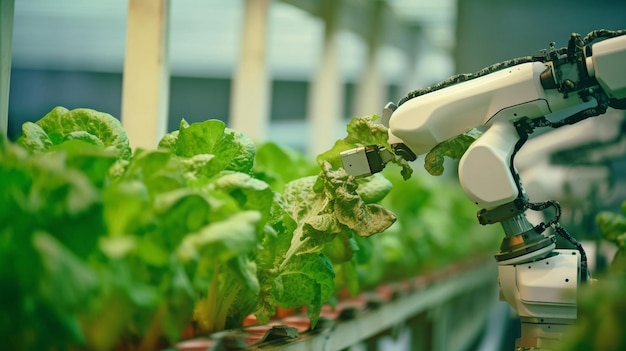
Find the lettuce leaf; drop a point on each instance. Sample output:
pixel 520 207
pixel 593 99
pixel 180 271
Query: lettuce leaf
pixel 307 279
pixel 327 210
pixel 363 131
pixel 453 148
pixel 612 227
pixel 222 240
pixel 349 208
pixel 278 165
pixel 191 230
pixel 231 149
pixel 373 189
pixel 60 124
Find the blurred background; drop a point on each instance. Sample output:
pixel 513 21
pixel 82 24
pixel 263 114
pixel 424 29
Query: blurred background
pixel 71 52
pixel 295 71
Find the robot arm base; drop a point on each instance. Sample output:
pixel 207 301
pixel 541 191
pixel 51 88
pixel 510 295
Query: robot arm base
pixel 543 293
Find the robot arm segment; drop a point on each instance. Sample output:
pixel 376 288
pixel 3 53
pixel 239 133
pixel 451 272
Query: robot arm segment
pixel 425 121
pixel 557 82
pixel 607 66
pixel 510 100
pixel 580 82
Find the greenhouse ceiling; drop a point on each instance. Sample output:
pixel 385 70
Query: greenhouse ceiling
pixel 204 36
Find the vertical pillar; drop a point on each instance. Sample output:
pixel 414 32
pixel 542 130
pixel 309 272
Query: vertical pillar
pixel 415 45
pixel 326 93
pixel 145 86
pixel 250 93
pixel 7 10
pixel 371 92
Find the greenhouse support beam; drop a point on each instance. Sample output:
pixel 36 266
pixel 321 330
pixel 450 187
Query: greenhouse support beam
pixel 326 94
pixel 7 11
pixel 352 15
pixel 417 46
pixel 145 87
pixel 371 93
pixel 251 91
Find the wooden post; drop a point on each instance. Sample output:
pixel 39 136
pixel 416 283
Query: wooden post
pixel 326 93
pixel 371 93
pixel 145 90
pixel 251 91
pixel 413 49
pixel 7 10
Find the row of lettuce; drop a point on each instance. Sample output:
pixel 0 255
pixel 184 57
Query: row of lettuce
pixel 102 247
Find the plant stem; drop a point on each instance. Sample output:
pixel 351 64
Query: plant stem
pixel 222 311
pixel 150 341
pixel 296 241
pixel 293 249
pixel 212 296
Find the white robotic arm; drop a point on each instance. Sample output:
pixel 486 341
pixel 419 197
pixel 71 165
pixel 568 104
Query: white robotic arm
pixel 510 100
pixel 496 100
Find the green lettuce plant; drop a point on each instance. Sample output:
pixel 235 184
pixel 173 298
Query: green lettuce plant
pixel 101 247
pixel 104 248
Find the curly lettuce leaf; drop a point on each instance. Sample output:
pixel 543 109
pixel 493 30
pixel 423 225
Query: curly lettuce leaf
pixel 219 252
pixel 327 211
pixel 34 137
pixel 60 124
pixel 612 226
pixel 222 240
pixel 90 159
pixel 453 148
pixel 278 165
pixel 250 193
pixel 232 150
pixel 158 170
pixel 363 131
pixel 170 140
pixel 308 280
pixel 374 188
pixel 349 208
pixel 45 193
pixel 329 205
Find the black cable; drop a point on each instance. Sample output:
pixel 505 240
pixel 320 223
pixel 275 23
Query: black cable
pixel 575 43
pixel 541 206
pixel 584 270
pixel 562 232
pixel 463 77
pixel 602 33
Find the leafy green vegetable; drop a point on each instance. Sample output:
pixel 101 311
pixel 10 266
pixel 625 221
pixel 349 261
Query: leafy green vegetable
pixel 321 207
pixel 101 248
pixel 453 148
pixel 93 127
pixel 231 150
pixel 363 131
pixel 374 188
pixel 612 227
pixel 278 165
pixel 307 279
pixel 220 246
